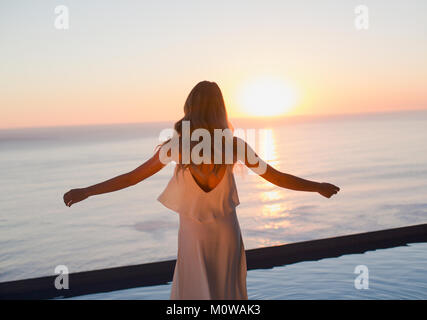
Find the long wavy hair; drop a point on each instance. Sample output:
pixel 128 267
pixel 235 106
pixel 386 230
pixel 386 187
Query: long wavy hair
pixel 204 108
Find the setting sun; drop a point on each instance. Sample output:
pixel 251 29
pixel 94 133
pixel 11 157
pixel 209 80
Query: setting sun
pixel 266 97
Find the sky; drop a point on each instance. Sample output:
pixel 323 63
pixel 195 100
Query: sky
pixel 136 61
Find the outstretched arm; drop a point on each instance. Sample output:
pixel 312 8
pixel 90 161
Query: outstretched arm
pixel 282 179
pixel 147 169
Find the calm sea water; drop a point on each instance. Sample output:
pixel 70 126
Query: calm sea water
pixel 379 161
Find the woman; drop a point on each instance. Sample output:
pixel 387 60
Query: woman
pixel 211 261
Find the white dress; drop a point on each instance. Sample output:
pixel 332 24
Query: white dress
pixel 211 260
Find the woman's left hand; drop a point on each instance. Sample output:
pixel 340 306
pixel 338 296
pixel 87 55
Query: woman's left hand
pixel 327 189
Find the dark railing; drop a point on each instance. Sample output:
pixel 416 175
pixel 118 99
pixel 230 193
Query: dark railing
pixel 157 273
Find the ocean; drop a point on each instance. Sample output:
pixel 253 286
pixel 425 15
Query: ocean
pixel 378 160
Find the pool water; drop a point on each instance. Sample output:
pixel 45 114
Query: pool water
pixel 389 277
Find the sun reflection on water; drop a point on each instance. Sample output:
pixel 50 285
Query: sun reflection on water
pixel 277 225
pixel 267 146
pixel 275 209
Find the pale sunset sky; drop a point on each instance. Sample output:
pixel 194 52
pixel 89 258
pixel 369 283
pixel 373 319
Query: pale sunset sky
pixel 136 61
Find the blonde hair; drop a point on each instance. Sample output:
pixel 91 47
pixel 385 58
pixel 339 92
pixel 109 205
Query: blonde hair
pixel 204 108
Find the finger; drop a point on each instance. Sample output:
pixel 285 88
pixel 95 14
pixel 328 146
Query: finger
pixel 67 196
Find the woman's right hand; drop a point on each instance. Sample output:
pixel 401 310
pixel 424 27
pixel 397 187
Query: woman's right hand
pixel 75 195
pixel 327 189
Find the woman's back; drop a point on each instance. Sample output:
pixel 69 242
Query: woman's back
pixel 205 177
pixel 187 194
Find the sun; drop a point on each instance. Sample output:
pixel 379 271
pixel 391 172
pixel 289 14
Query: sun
pixel 266 97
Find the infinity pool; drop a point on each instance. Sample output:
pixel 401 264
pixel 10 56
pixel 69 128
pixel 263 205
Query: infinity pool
pixel 396 273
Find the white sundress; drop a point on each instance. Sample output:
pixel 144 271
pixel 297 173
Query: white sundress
pixel 211 260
